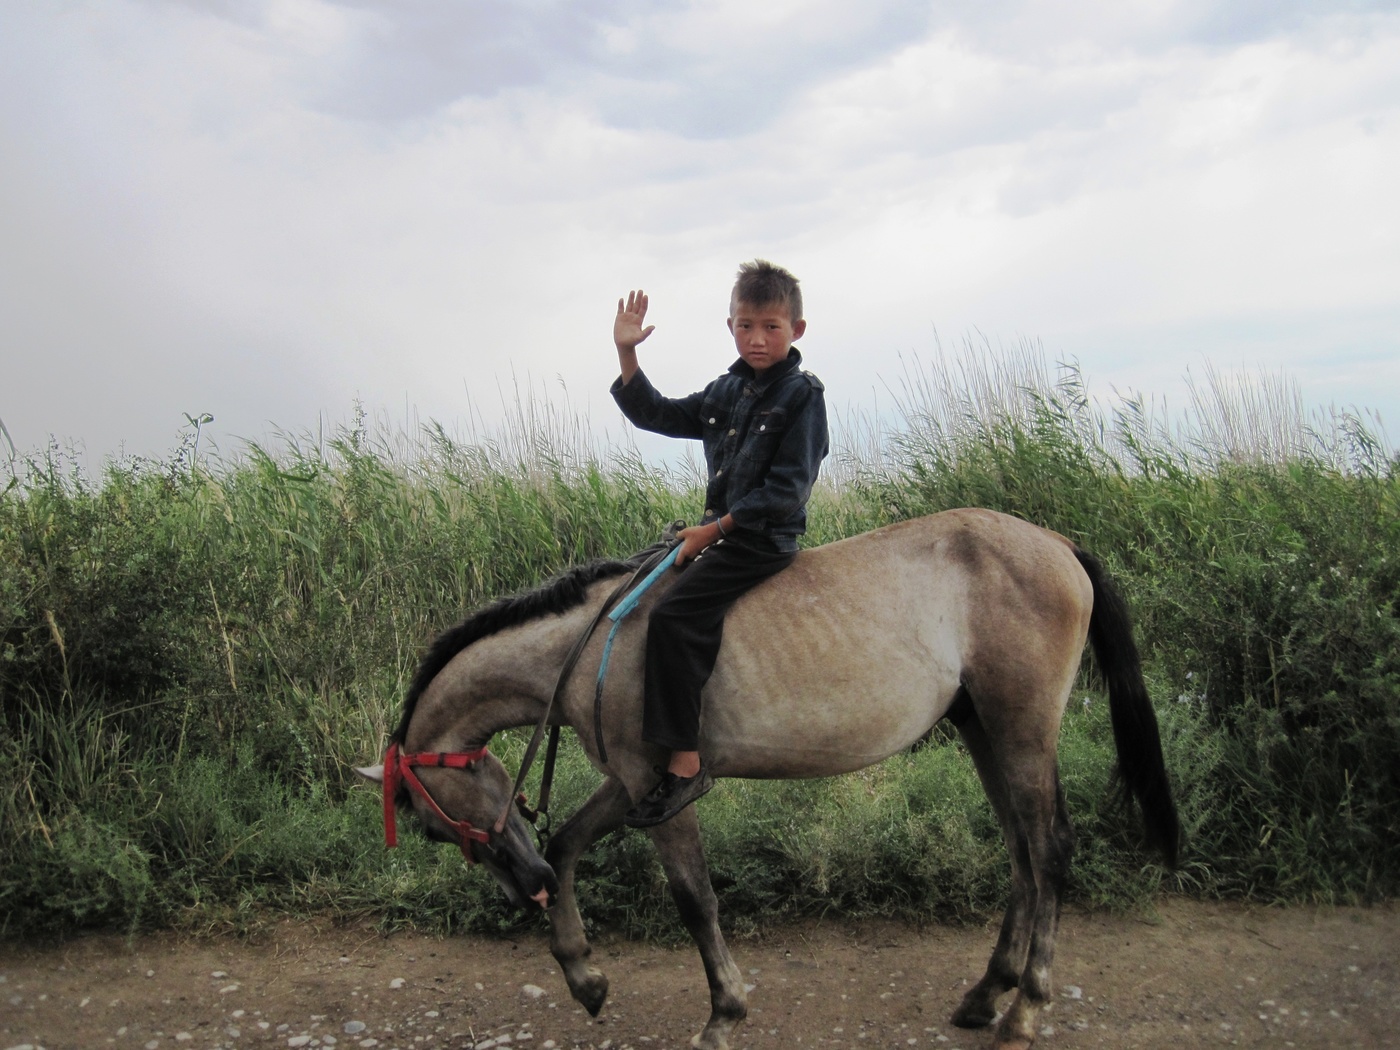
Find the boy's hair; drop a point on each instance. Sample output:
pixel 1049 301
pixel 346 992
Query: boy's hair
pixel 761 283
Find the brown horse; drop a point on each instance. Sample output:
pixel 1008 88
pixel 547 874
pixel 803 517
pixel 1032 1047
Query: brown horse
pixel 848 656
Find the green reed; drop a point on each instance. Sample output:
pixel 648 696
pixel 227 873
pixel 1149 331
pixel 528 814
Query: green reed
pixel 195 652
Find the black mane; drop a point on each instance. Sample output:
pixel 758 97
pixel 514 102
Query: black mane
pixel 564 592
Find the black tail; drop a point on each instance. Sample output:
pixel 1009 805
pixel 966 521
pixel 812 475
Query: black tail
pixel 1140 765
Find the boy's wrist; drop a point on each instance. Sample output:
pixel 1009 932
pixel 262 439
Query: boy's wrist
pixel 627 362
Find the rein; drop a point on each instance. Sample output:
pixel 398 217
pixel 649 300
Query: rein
pixel 624 607
pixel 662 554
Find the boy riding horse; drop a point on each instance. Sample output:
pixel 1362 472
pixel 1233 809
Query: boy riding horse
pixel 763 425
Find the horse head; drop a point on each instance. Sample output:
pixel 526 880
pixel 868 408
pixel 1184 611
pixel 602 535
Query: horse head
pixel 466 798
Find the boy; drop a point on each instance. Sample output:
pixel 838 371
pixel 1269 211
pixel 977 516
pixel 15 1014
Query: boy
pixel 763 424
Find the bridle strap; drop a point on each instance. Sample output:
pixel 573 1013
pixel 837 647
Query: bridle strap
pixel 398 769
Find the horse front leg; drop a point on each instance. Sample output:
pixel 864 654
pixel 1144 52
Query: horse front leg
pixel 683 856
pixel 568 942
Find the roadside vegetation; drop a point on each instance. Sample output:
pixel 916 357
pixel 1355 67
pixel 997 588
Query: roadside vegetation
pixel 195 652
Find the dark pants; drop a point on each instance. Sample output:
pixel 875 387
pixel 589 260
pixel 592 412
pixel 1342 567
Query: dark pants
pixel 685 630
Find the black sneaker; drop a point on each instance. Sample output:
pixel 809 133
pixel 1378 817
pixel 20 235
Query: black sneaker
pixel 671 795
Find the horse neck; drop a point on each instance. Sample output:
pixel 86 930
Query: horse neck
pixel 499 682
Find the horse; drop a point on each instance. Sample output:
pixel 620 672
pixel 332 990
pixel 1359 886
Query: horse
pixel 851 654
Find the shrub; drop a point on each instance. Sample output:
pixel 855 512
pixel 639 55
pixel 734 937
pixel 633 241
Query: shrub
pixel 194 654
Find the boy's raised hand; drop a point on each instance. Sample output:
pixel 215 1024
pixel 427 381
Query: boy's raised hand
pixel 631 315
pixel 628 331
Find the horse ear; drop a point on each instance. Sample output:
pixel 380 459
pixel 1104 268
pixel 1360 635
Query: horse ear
pixel 374 774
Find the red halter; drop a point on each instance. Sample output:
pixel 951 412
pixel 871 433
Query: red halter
pixel 398 768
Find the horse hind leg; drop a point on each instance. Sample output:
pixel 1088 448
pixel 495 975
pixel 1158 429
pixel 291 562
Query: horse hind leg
pixel 979 1005
pixel 1049 840
pixel 568 943
pixel 1025 792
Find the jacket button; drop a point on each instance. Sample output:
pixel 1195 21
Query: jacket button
pixel 763 428
pixel 733 432
pixel 712 420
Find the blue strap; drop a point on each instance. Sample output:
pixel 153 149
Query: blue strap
pixel 630 602
pixel 626 606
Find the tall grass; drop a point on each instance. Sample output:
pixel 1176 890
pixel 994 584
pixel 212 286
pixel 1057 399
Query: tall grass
pixel 194 652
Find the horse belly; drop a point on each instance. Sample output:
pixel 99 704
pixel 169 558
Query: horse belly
pixel 823 702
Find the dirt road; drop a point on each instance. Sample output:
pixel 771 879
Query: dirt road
pixel 1194 975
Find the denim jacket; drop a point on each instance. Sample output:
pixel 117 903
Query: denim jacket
pixel 764 438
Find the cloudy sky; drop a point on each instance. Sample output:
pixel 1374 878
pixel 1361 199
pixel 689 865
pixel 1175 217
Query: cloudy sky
pixel 268 209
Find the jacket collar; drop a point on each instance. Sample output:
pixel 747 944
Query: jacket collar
pixel 792 362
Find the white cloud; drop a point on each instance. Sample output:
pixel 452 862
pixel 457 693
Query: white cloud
pixel 264 214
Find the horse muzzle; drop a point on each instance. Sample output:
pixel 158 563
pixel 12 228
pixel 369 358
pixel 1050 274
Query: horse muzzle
pixel 524 875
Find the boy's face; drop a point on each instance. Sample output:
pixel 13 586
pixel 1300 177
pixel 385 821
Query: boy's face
pixel 763 335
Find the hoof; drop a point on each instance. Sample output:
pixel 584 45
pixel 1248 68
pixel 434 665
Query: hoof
pixel 591 992
pixel 1017 1029
pixel 974 1013
pixel 715 1035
